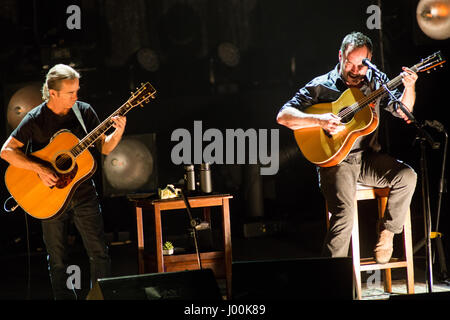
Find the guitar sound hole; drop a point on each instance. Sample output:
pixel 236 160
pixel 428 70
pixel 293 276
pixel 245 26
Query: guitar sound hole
pixel 346 118
pixel 327 133
pixel 63 162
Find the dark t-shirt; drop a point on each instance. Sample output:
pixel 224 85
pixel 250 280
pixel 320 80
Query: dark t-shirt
pixel 40 124
pixel 330 86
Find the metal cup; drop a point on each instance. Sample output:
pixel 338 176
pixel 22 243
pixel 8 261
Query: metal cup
pixel 205 178
pixel 189 177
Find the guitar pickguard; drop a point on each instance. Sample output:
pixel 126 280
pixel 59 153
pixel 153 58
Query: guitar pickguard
pixel 67 178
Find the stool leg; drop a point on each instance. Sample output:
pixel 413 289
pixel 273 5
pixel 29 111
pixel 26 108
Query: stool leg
pixel 387 277
pixel 407 240
pixel 382 203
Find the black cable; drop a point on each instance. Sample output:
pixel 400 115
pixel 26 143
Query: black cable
pixel 12 208
pixel 28 296
pixel 27 234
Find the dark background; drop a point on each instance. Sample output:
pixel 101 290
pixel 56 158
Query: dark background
pixel 185 35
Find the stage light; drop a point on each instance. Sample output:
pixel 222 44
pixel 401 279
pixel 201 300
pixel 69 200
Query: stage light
pixel 229 54
pixel 433 17
pixel 21 102
pixel 131 166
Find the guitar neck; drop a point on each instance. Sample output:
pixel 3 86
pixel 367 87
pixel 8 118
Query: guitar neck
pixel 391 85
pixel 95 134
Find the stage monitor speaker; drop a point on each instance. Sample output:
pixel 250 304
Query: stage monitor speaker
pixel 293 279
pixel 131 167
pixel 180 285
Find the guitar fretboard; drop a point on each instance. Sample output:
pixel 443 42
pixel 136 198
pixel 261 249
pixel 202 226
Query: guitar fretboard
pixel 141 96
pixel 95 134
pixel 357 106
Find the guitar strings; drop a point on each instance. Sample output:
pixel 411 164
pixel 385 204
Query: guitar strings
pixel 87 141
pixel 92 137
pixel 355 107
pixel 374 95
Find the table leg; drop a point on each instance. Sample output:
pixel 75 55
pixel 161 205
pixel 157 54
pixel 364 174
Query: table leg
pixel 207 214
pixel 158 238
pixel 227 244
pixel 140 238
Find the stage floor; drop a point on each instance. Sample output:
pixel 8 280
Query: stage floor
pixel 15 284
pixel 399 288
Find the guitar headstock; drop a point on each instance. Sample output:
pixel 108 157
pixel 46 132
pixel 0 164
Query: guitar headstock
pixel 434 60
pixel 142 95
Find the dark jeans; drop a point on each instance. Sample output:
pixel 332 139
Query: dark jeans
pixel 338 185
pixel 85 211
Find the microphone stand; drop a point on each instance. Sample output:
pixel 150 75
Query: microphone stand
pixel 440 249
pixel 426 206
pixel 443 265
pixel 193 224
pixel 423 136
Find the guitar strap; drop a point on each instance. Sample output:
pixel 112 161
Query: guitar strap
pixel 78 114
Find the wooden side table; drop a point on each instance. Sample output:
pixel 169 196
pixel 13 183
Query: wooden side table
pixel 179 262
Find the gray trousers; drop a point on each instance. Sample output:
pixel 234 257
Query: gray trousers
pixel 338 185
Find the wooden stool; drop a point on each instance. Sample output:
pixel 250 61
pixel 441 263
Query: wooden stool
pixel 366 264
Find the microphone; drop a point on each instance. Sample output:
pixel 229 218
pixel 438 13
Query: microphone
pixel 405 110
pixel 369 64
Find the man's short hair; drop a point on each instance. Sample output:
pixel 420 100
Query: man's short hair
pixel 54 77
pixel 357 40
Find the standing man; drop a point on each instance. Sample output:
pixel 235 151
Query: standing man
pixel 365 163
pixel 35 131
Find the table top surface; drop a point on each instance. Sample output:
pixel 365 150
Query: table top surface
pixel 154 200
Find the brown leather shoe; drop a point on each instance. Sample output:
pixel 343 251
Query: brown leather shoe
pixel 383 249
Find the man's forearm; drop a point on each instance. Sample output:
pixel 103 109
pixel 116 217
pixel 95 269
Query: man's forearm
pixel 111 142
pixel 408 98
pixel 18 159
pixel 295 119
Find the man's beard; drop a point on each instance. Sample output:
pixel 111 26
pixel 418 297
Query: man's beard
pixel 354 78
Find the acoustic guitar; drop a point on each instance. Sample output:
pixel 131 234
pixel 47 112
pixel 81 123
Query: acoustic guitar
pixel 71 160
pixel 354 108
